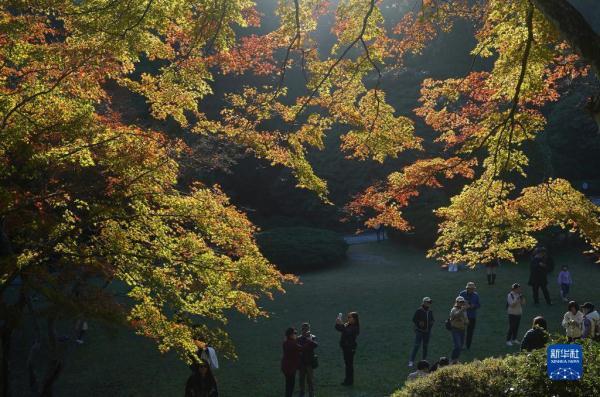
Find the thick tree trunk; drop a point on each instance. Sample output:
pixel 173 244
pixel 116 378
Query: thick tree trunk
pixel 12 317
pixel 6 336
pixel 574 28
pixel 577 31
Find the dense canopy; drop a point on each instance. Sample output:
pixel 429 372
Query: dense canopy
pixel 90 194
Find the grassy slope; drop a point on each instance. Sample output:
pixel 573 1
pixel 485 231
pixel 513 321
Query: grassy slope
pixel 383 282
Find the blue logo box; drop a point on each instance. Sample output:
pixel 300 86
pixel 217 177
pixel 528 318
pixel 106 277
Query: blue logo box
pixel 565 362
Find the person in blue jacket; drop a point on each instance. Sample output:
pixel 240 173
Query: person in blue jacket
pixel 473 302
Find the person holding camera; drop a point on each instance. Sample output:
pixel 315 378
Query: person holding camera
pixel 541 265
pixel 308 360
pixel 472 304
pixel 458 324
pixel 349 331
pixel 573 322
pixel 514 308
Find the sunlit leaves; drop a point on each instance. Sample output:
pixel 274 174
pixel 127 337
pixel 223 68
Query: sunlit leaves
pixel 378 134
pixel 88 197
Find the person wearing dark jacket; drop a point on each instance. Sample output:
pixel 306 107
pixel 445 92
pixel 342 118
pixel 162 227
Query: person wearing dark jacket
pixel 350 331
pixel 537 336
pixel 290 361
pixel 308 344
pixel 423 321
pixel 539 268
pixel 201 383
pixel 442 362
pixel 472 304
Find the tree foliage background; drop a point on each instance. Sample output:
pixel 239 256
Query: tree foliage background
pixel 114 113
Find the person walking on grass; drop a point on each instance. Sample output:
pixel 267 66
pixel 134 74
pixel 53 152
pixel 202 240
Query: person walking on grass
pixel 201 383
pixel 591 322
pixel 308 344
pixel 423 321
pixel 565 281
pixel 472 304
pixel 349 331
pixel 573 322
pixel 537 336
pixel 422 370
pixel 458 323
pixel 290 361
pixel 514 307
pixel 539 268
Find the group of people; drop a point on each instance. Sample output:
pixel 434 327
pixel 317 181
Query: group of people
pixel 299 354
pixel 581 323
pixel 461 323
pixel 578 322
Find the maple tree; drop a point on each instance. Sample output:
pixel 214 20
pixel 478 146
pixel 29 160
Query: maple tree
pixel 89 198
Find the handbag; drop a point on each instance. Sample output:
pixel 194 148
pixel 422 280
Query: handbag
pixel 448 324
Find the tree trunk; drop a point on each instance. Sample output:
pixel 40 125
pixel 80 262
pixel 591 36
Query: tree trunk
pixel 12 317
pixel 574 28
pixel 577 31
pixel 5 376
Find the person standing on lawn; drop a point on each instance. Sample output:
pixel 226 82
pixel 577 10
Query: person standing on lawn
pixel 423 321
pixel 540 266
pixel 308 343
pixel 514 307
pixel 490 269
pixel 290 361
pixel 472 305
pixel 565 281
pixel 458 323
pixel 349 331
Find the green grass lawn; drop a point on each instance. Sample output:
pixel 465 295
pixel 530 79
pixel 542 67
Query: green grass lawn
pixel 382 281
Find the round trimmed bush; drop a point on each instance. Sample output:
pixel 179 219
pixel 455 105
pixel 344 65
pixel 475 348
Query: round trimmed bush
pixel 522 375
pixel 302 249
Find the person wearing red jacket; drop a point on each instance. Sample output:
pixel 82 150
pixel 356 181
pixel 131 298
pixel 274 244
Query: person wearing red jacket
pixel 291 360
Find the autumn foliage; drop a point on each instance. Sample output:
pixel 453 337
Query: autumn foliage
pixel 90 199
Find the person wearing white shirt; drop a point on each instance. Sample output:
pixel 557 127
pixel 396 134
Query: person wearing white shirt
pixel 514 308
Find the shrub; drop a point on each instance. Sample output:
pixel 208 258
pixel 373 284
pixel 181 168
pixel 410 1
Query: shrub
pixel 302 249
pixel 521 375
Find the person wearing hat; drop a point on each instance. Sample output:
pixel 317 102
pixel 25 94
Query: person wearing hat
pixel 514 308
pixel 591 321
pixel 472 304
pixel 201 383
pixel 290 361
pixel 458 322
pixel 308 343
pixel 423 321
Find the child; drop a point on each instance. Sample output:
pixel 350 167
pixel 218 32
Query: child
pixel 565 281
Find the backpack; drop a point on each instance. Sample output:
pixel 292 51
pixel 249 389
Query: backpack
pixel 596 328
